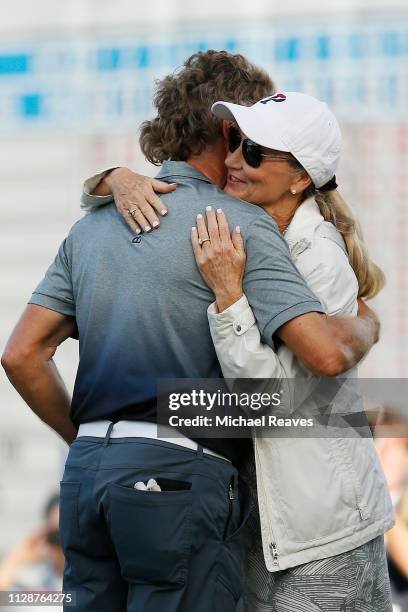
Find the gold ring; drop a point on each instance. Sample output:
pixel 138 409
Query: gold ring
pixel 202 240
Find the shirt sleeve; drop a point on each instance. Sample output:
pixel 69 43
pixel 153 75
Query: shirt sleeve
pixel 273 285
pixel 88 201
pixel 55 291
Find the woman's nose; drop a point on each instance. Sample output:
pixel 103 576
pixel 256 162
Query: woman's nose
pixel 234 159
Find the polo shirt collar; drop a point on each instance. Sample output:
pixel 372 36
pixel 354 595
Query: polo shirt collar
pixel 172 169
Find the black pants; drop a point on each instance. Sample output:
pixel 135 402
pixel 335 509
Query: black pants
pixel 140 551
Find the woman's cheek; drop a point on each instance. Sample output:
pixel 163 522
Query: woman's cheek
pixel 242 190
pixel 236 190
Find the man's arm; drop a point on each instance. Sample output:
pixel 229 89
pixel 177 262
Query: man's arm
pixel 28 362
pixel 284 305
pixel 329 346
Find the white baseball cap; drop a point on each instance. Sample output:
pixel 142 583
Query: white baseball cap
pixel 293 122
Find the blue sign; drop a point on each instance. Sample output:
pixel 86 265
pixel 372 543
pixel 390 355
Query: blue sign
pixel 107 82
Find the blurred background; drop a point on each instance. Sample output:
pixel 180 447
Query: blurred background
pixel 76 80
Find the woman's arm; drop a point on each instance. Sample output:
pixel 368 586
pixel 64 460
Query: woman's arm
pixel 235 334
pixel 327 346
pixel 238 344
pixel 132 193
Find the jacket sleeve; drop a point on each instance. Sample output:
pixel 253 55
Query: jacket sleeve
pixel 235 333
pixel 238 344
pixel 88 201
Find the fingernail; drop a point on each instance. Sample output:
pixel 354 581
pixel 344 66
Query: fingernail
pixel 193 229
pixel 163 213
pixel 147 228
pixel 208 208
pixel 219 211
pixel 138 231
pixel 199 216
pixel 238 229
pixel 155 224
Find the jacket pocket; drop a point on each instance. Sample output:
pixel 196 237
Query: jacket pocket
pixel 150 531
pixel 353 457
pixel 308 488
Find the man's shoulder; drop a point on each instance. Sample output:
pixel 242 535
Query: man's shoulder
pixel 251 209
pixel 208 194
pixel 92 218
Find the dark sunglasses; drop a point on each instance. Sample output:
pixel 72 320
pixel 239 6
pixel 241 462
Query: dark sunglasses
pixel 251 151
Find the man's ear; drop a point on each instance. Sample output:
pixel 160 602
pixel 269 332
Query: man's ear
pixel 225 125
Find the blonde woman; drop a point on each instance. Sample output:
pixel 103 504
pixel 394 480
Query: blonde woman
pixel 323 502
pixel 317 543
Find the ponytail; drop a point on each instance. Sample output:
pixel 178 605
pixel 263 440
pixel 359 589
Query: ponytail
pixel 333 208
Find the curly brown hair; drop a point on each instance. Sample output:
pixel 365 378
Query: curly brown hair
pixel 184 124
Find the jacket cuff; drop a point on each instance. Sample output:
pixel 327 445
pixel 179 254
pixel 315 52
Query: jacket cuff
pixel 239 315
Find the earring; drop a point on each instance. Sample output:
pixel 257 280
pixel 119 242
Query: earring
pixel 293 191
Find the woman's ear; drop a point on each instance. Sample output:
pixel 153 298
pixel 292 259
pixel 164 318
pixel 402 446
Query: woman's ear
pixel 302 182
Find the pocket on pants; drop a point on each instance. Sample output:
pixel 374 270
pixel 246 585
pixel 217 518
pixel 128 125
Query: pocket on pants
pixel 150 531
pixel 69 516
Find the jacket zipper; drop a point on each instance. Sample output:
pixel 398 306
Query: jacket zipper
pixel 272 545
pixel 274 552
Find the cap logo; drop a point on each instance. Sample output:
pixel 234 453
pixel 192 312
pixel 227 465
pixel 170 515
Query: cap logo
pixel 279 97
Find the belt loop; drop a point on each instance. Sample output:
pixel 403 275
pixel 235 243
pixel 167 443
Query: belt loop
pixel 200 452
pixel 108 433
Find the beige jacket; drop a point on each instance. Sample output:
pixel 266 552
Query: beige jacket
pixel 320 496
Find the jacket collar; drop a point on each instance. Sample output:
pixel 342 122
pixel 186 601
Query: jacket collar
pixel 305 221
pixel 171 169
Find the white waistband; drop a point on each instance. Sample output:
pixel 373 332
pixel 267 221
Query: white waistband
pixel 141 429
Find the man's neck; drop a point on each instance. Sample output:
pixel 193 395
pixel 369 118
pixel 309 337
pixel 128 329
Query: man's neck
pixel 211 162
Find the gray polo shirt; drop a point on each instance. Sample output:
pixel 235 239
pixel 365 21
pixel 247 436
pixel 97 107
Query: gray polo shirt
pixel 141 307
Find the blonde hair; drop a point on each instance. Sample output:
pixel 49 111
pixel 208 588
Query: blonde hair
pixel 334 208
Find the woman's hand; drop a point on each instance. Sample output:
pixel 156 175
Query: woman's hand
pixel 136 199
pixel 220 256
